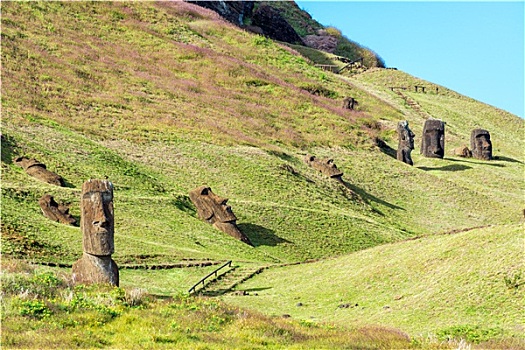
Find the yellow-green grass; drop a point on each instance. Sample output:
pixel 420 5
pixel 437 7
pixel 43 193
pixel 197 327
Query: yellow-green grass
pixel 275 206
pixel 40 310
pixel 472 279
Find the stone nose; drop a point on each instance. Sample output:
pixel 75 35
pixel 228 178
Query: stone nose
pixel 101 221
pixel 100 218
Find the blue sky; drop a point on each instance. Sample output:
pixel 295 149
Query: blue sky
pixel 474 48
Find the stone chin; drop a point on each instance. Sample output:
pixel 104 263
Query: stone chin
pixel 232 229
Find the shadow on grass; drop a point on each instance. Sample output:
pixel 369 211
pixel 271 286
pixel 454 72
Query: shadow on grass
pixel 451 167
pixel 507 159
pixel 183 203
pixel 256 289
pixel 385 148
pixel 367 197
pixel 8 146
pixel 484 162
pixel 67 183
pixel 260 235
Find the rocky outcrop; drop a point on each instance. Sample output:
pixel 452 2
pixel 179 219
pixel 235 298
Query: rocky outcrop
pixel 265 19
pixel 274 25
pixel 233 11
pixel 322 41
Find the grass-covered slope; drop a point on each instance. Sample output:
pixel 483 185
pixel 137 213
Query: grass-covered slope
pixel 469 282
pixel 40 311
pixel 161 98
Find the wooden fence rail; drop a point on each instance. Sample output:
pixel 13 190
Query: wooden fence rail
pixel 215 272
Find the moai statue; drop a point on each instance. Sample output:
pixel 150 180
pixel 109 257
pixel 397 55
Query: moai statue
pixel 480 144
pixel 406 142
pixel 433 141
pixel 54 211
pixel 349 103
pixel 36 169
pixel 97 225
pixel 214 210
pixel 325 166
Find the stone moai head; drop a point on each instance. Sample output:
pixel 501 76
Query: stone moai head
pixel 406 142
pixel 215 210
pixel 97 219
pixel 349 103
pixel 480 144
pixel 38 170
pixel 211 207
pixel 325 166
pixel 54 211
pixel 433 140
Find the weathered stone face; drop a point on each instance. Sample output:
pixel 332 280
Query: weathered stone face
pixel 97 218
pixel 325 166
pixel 215 210
pixel 211 207
pixel 38 170
pixel 54 211
pixel 433 141
pixel 95 269
pixel 406 142
pixel 97 224
pixel 480 144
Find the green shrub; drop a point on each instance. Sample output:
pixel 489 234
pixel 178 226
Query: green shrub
pixel 333 31
pixel 34 308
pixel 473 334
pixel 319 90
pixel 514 281
pixel 38 285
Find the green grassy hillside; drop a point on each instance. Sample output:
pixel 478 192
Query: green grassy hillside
pixel 471 279
pixel 163 97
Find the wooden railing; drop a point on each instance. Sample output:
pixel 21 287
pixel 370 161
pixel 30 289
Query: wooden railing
pixel 192 289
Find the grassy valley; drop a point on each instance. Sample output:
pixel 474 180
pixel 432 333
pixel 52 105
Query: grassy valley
pixel 161 98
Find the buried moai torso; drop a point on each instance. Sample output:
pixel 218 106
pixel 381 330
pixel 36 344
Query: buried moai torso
pixel 433 140
pixel 463 152
pixel 54 211
pixel 480 144
pixel 97 225
pixel 406 142
pixel 36 169
pixel 213 209
pixel 325 166
pixel 350 103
